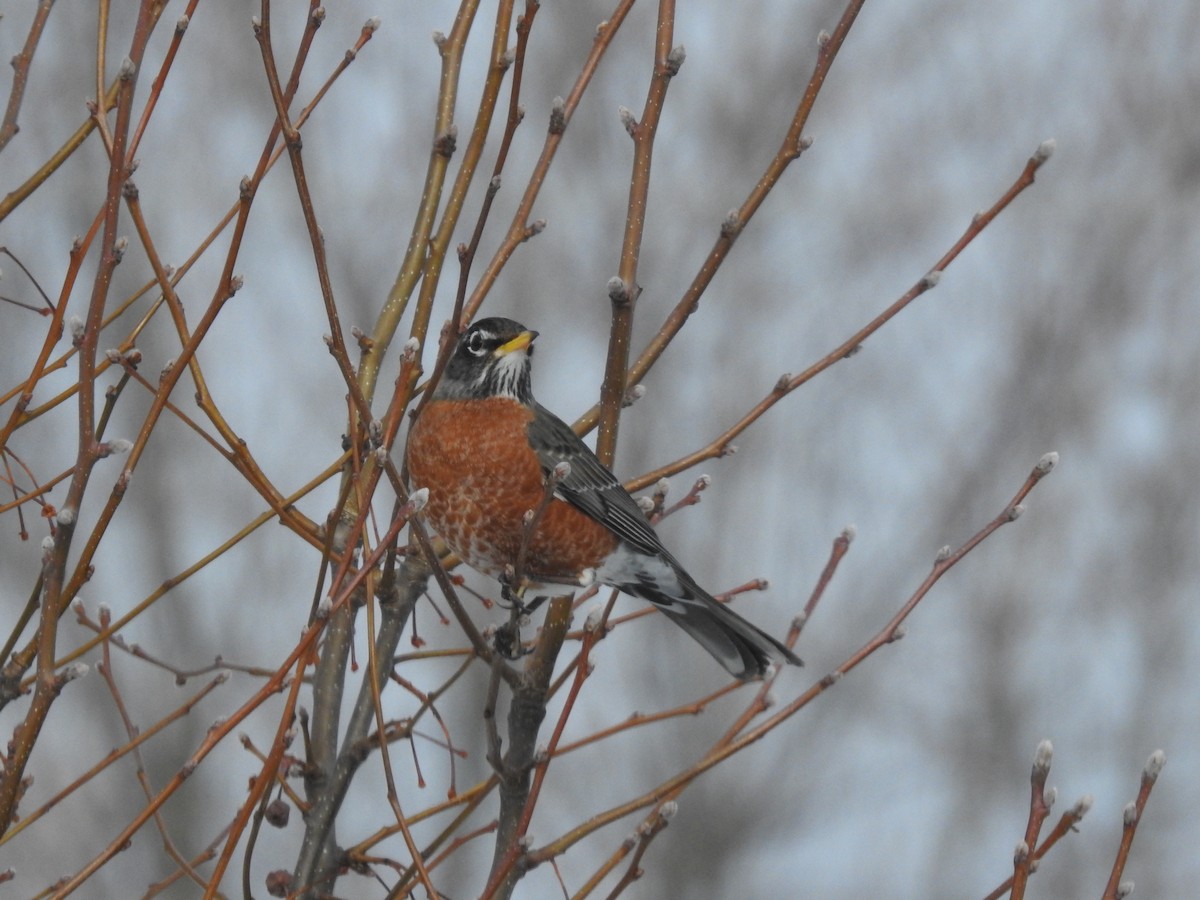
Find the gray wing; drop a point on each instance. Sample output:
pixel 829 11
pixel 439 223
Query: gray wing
pixel 743 649
pixel 590 487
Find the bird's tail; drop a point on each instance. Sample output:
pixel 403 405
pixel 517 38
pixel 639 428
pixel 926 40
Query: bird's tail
pixel 743 649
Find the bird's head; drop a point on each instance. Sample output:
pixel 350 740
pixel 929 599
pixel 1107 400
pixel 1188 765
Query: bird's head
pixel 491 360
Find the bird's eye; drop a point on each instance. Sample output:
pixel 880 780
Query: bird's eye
pixel 474 343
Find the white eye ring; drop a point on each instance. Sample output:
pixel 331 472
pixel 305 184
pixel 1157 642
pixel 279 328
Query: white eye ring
pixel 474 343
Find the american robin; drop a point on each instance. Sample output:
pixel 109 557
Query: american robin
pixel 484 448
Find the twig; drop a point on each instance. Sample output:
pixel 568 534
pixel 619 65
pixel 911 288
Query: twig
pixel 1065 826
pixel 501 60
pixel 202 857
pixel 88 453
pixel 181 25
pixel 131 731
pixel 841 545
pixel 1039 808
pixel 527 709
pixel 173 582
pixel 1131 817
pixel 794 143
pixel 623 290
pixel 560 117
pixel 727 748
pixel 788 383
pixel 532 519
pixel 142 737
pixel 654 825
pixel 450 48
pixel 20 64
pixel 466 252
pixel 317 855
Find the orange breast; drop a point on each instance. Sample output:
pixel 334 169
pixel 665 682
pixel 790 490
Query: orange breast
pixel 482 475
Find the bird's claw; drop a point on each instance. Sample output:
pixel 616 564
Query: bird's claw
pixel 507 642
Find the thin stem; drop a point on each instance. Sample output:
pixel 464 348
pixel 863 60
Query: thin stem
pixel 21 63
pixel 624 290
pixel 788 383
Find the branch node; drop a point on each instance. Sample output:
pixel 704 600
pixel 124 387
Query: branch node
pixel 558 115
pixel 675 60
pixel 76 327
pixel 1154 766
pixel 1044 151
pixel 1041 760
pixel 1046 464
pixel 416 502
pixel 618 291
pixel 635 393
pixel 127 70
pixel 732 224
pixel 446 142
pixel 627 120
pixel 362 339
pixel 117 447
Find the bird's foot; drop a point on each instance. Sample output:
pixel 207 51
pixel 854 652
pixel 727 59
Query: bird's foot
pixel 508 636
pixel 507 641
pixel 514 600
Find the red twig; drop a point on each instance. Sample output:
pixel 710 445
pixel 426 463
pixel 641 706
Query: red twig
pixel 1132 816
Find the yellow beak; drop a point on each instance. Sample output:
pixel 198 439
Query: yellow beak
pixel 520 342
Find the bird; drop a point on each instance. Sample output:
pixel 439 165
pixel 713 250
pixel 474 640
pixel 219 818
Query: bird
pixel 484 448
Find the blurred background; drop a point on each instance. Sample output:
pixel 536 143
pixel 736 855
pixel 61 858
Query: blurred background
pixel 1070 324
